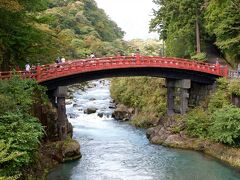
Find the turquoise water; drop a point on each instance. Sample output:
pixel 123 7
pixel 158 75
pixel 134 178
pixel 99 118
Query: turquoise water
pixel 117 151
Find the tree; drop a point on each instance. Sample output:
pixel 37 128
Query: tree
pixel 179 23
pixel 19 38
pixel 223 24
pixel 20 132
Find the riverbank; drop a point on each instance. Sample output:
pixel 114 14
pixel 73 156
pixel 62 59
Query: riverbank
pixel 50 155
pixel 170 132
pixel 54 149
pixel 211 127
pixel 165 134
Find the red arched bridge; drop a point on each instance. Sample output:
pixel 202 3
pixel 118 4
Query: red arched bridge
pixel 187 82
pixel 53 75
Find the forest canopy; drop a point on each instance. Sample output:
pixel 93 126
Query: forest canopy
pixel 40 30
pixel 217 22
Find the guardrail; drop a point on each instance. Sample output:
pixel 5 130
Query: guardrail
pixel 51 71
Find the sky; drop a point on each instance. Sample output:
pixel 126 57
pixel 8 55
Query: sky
pixel 132 16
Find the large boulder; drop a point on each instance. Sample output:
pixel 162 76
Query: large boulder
pixel 62 151
pixel 123 113
pixel 70 150
pixel 90 110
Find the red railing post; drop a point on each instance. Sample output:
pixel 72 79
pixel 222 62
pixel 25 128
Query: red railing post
pixel 38 72
pixel 218 68
pixel 225 71
pixel 137 58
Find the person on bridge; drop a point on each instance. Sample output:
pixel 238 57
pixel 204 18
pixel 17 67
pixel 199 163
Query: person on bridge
pixel 92 55
pixel 58 60
pixel 27 67
pixel 63 60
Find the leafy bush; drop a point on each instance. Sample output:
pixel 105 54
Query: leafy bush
pixel 197 122
pixel 143 93
pixel 222 83
pixel 18 127
pixel 200 57
pixel 225 125
pixel 7 155
pixel 218 100
pixel 221 96
pixel 221 121
pixel 234 87
pixel 20 94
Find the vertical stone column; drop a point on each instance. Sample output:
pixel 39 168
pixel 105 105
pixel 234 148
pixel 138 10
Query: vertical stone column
pixel 170 96
pixel 199 92
pixel 183 100
pixel 62 122
pixel 184 85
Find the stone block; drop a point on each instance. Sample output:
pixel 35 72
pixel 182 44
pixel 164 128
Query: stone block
pixel 61 91
pixel 184 83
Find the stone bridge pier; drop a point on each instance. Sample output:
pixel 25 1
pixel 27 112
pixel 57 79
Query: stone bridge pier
pixel 182 94
pixel 62 126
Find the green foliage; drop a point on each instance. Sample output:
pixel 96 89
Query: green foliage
pixel 234 87
pixel 225 125
pixel 19 37
pixel 221 97
pixel 223 23
pixel 81 28
pixel 147 47
pixel 5 156
pixel 199 57
pixel 143 93
pixel 24 131
pixel 19 130
pixel 175 21
pixel 197 122
pixel 221 120
pixel 19 94
pixel 218 21
pixel 30 32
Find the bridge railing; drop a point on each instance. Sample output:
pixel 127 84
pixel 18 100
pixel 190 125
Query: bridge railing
pixel 23 74
pixel 179 63
pixel 233 74
pixel 51 71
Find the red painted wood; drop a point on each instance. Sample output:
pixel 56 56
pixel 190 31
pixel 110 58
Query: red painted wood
pixel 53 71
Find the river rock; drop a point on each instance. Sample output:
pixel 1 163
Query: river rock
pixel 71 150
pixel 92 99
pixel 112 106
pixel 90 110
pixel 72 115
pixel 122 113
pixel 100 115
pixel 76 105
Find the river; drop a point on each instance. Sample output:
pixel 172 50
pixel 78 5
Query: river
pixel 114 150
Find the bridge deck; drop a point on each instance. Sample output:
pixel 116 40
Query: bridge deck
pixel 55 71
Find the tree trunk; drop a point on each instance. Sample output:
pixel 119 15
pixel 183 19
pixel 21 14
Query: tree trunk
pixel 198 34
